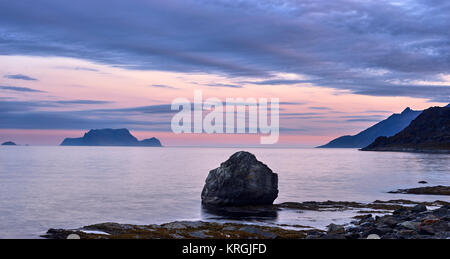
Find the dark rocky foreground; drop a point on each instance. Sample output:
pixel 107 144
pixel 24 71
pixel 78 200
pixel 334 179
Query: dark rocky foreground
pixel 403 220
pixel 430 190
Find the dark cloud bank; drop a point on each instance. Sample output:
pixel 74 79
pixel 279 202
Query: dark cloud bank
pixel 377 48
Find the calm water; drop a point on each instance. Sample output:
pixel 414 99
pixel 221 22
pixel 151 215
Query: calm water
pixel 69 187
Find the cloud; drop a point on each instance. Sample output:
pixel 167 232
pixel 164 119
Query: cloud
pixel 82 102
pixel 77 68
pixel 20 77
pixel 164 86
pixel 20 89
pixel 319 108
pixel 39 115
pixel 225 85
pixel 278 82
pixel 376 48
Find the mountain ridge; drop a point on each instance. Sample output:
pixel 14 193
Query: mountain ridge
pixel 388 127
pixel 429 132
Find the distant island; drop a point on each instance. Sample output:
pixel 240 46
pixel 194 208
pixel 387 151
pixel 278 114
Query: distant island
pixel 388 127
pixel 429 132
pixel 9 143
pixel 110 137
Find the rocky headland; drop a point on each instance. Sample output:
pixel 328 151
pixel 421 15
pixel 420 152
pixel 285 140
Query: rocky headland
pixel 429 132
pixel 388 127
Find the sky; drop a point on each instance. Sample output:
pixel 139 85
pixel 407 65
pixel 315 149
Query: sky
pixel 337 67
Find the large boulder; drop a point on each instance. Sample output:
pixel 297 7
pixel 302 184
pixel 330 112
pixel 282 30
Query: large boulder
pixel 241 180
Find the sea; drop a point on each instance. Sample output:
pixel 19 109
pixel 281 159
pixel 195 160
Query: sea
pixel 44 187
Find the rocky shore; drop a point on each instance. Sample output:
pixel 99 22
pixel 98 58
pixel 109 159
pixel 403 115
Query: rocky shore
pixel 402 219
pixel 429 190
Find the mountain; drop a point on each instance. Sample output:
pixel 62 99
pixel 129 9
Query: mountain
pixel 429 132
pixel 387 127
pixel 110 137
pixel 9 143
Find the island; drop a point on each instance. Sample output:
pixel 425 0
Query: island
pixel 388 127
pixel 9 143
pixel 110 137
pixel 429 132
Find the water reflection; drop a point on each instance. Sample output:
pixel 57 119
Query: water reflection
pixel 240 213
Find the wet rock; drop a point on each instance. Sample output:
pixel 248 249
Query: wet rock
pixel 365 219
pixel 400 211
pixel 175 225
pixel 333 236
pixel 352 236
pixel 198 234
pixel 431 190
pixel 441 212
pixel 264 234
pixel 373 231
pixel 390 221
pixel 335 229
pixel 410 225
pixel 426 230
pixel 419 208
pixel 241 180
pixel 406 233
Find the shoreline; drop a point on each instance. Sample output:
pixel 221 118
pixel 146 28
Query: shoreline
pixel 400 219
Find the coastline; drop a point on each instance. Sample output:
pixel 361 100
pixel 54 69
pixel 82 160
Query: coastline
pixel 408 150
pixel 400 219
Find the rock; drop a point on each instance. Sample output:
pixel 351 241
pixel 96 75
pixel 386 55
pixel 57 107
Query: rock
pixel 390 221
pixel 406 233
pixel 335 229
pixel 410 225
pixel 431 190
pixel 426 230
pixel 198 234
pixel 373 231
pixel 174 225
pixel 241 180
pixel 400 211
pixel 352 236
pixel 419 208
pixel 333 236
pixel 441 212
pixel 423 182
pixel 365 219
pixel 257 231
pixel 373 236
pixel 8 143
